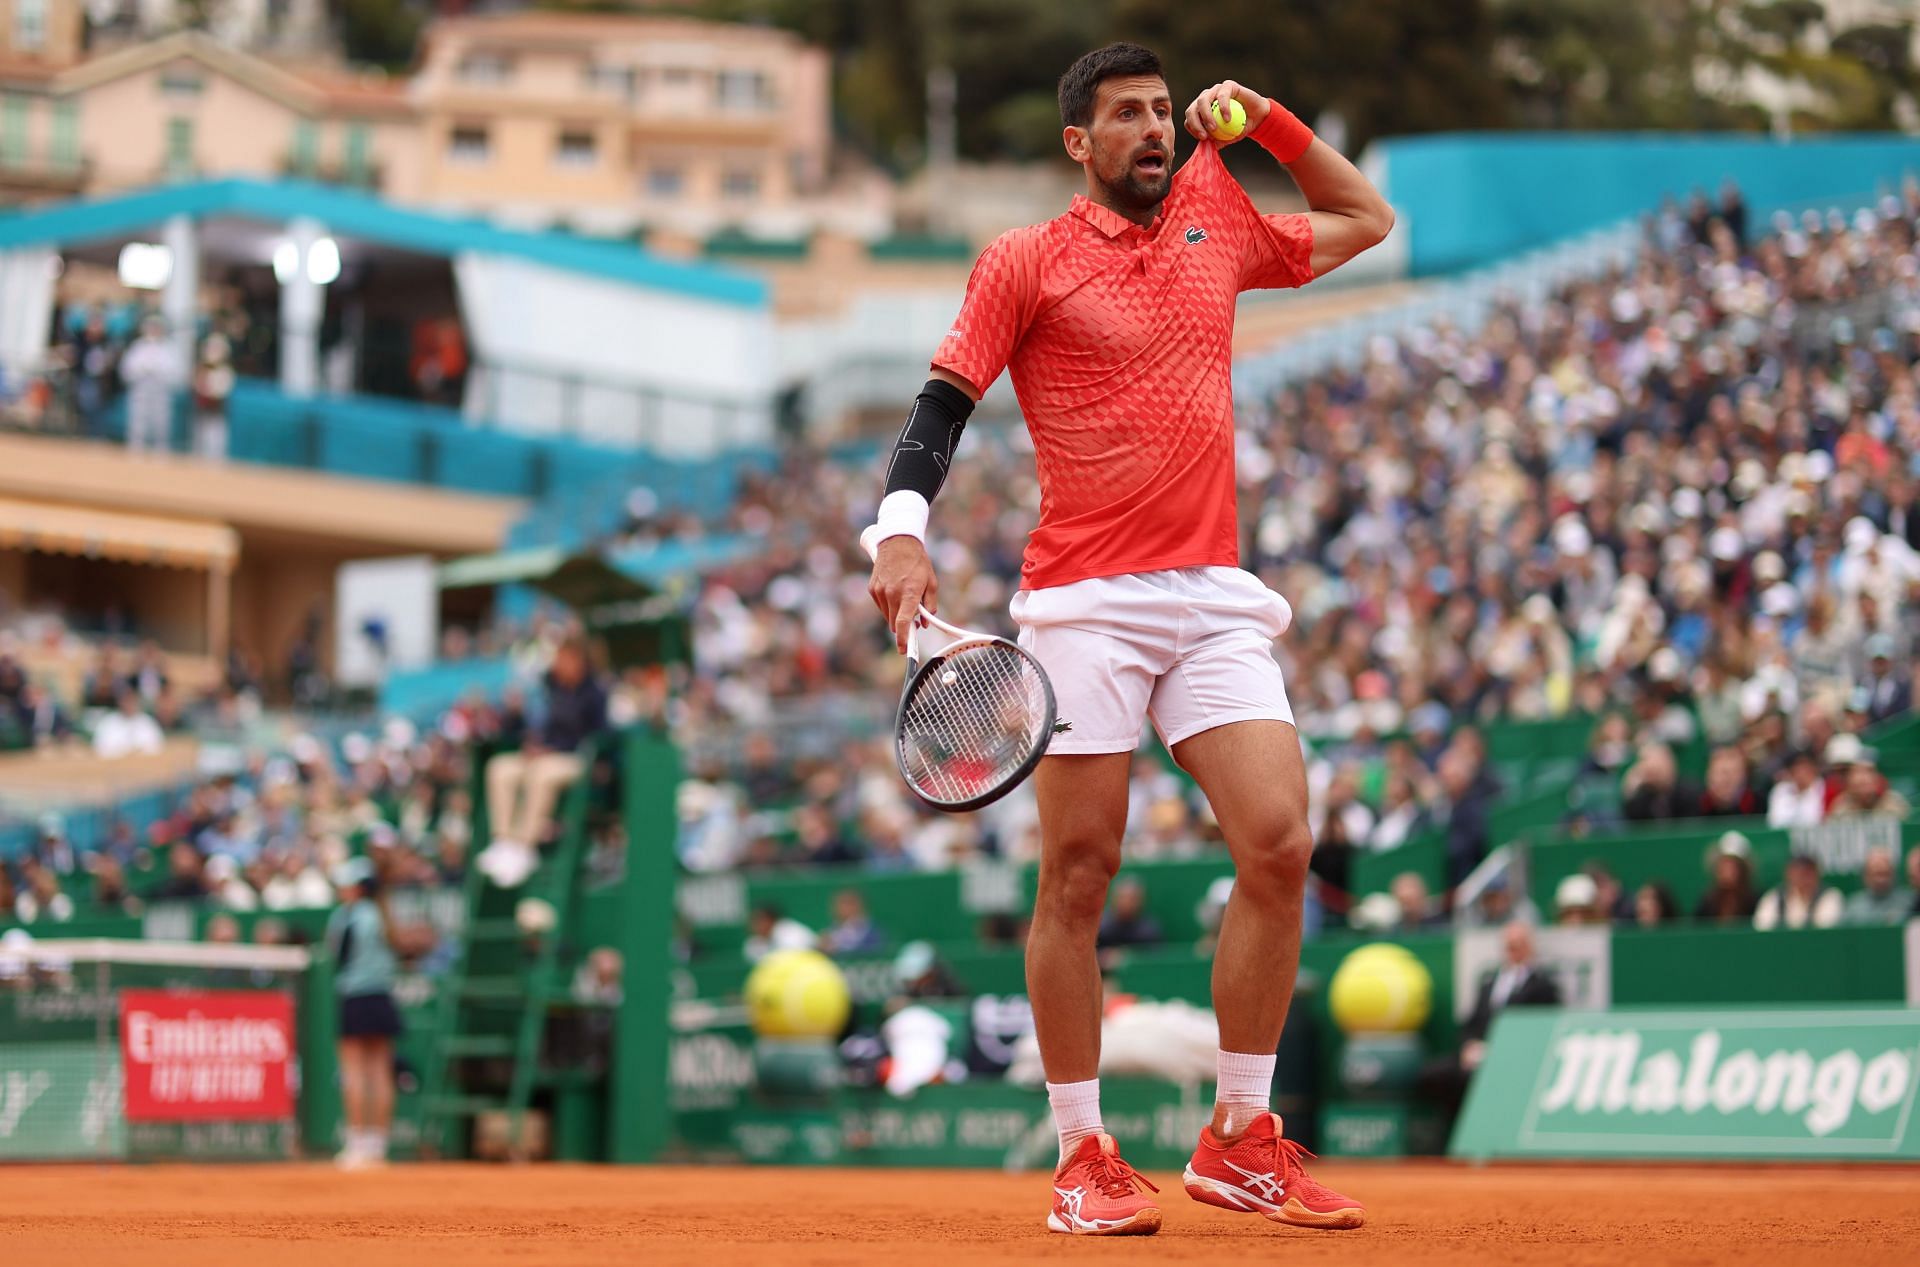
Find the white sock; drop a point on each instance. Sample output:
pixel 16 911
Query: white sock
pixel 1245 1087
pixel 1076 1112
pixel 377 1145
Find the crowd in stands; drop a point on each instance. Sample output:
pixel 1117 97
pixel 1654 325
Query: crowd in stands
pixel 1680 499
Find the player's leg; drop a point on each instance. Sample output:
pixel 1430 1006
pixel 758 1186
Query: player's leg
pixel 1223 711
pixel 378 1059
pixel 1101 681
pixel 1083 814
pixel 1253 775
pixel 353 1097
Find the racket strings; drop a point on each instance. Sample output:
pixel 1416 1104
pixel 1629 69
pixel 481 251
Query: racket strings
pixel 972 722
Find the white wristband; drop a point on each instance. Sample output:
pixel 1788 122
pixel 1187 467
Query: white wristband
pixel 902 514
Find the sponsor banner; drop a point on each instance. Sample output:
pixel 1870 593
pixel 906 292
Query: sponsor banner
pixel 1788 1083
pixel 60 1101
pixel 207 1055
pixel 1580 959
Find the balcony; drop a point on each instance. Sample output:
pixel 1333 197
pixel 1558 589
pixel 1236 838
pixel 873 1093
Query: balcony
pixel 349 175
pixel 42 173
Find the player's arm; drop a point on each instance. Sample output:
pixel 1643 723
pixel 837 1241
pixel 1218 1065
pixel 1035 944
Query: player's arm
pixel 1346 213
pixel 1002 292
pixel 902 573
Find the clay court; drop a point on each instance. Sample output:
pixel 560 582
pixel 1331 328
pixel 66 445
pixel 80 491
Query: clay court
pixel 559 1216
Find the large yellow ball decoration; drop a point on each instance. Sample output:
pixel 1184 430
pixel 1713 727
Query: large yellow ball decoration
pixel 1381 989
pixel 797 994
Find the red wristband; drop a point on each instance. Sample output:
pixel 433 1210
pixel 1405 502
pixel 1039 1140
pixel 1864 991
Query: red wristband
pixel 1281 134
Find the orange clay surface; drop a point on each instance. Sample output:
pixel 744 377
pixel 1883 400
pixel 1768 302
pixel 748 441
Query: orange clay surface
pixel 557 1216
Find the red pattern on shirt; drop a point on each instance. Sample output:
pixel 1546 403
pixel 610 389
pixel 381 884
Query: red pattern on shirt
pixel 1120 342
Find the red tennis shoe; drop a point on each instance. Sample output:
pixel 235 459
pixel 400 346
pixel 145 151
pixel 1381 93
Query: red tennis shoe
pixel 1260 1173
pixel 1095 1193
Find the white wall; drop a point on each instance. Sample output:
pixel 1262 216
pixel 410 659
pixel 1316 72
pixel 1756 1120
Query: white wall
pixel 683 375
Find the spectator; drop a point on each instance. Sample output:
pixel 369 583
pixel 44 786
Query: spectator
pixel 769 929
pixel 1519 981
pixel 1610 897
pixel 1469 802
pixel 213 382
pixel 1880 900
pixel 127 731
pixel 41 716
pixel 186 878
pixel 110 893
pixel 1889 693
pixel 818 838
pixel 1415 903
pixel 271 931
pixel 226 886
pixel 1576 901
pixel 1800 901
pixel 1127 923
pixel 222 930
pixel 40 899
pixel 1800 798
pixel 1729 899
pixel 523 788
pixel 1864 791
pixel 1728 794
pixel 1402 817
pixel 1653 905
pixel 152 371
pixel 1654 790
pixel 852 931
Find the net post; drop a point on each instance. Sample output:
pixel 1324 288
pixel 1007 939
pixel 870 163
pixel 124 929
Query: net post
pixel 319 1109
pixel 650 773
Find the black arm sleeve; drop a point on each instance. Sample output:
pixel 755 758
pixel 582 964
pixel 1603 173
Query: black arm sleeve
pixel 927 442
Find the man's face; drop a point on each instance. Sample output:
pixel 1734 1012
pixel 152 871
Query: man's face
pixel 1128 149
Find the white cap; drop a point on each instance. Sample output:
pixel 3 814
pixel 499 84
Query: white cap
pixel 1577 889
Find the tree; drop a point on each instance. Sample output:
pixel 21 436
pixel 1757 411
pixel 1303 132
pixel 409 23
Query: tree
pixel 380 32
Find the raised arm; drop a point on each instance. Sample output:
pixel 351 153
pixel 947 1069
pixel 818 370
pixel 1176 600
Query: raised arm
pixel 1347 213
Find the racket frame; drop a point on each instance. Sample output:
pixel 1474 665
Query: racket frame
pixel 919 665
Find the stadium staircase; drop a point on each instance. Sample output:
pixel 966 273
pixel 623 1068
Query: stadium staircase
pixel 495 997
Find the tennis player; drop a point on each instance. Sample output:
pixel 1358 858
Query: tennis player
pixel 1116 320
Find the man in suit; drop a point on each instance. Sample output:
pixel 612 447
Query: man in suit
pixel 1518 982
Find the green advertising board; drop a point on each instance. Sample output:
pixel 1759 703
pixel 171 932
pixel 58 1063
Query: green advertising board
pixel 1789 1083
pixel 60 1101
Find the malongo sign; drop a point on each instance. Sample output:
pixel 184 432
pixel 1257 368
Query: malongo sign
pixel 1790 1083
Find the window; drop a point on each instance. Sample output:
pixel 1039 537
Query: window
pixel 485 68
pixel 29 25
pixel 305 157
pixel 13 128
pixel 740 182
pixel 743 90
pixel 618 81
pixel 665 182
pixel 181 83
pixel 469 143
pixel 676 76
pixel 355 168
pixel 577 148
pixel 179 148
pixel 64 144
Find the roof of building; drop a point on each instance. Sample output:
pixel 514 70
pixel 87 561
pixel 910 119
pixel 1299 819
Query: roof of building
pixel 306 88
pixel 550 29
pixel 346 213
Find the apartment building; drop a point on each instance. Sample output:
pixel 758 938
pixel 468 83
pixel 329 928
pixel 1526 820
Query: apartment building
pixel 606 122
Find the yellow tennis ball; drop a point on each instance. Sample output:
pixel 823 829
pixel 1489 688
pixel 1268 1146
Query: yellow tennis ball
pixel 1381 989
pixel 797 994
pixel 1233 125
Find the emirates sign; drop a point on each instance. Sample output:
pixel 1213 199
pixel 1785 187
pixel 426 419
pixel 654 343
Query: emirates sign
pixel 212 1055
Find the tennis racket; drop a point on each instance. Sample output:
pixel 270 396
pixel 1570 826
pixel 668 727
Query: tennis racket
pixel 976 715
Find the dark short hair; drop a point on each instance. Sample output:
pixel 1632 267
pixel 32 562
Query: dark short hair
pixel 1081 84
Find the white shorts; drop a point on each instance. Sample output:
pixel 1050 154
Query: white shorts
pixel 1190 648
